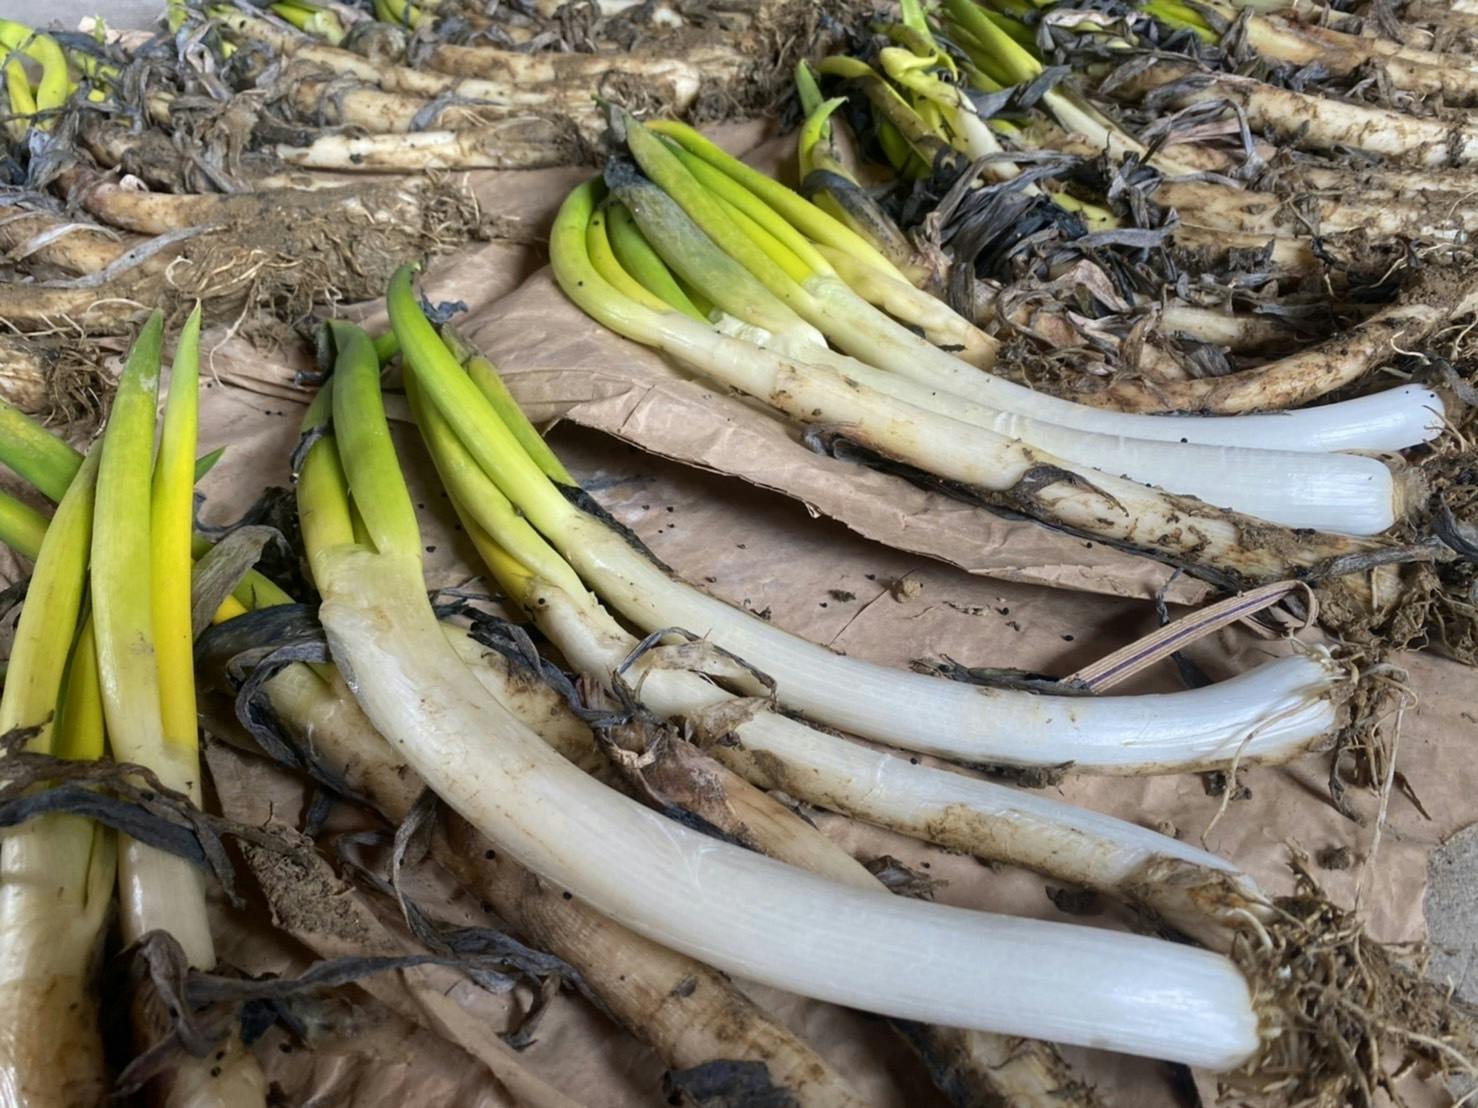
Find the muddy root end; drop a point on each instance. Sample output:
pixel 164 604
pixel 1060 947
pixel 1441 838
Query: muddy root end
pixel 296 255
pixel 1345 1013
pixel 60 378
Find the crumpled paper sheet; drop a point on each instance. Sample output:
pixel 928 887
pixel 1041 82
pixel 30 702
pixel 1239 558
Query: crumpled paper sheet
pixel 823 579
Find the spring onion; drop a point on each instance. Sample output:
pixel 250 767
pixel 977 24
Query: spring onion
pixel 56 871
pixel 137 538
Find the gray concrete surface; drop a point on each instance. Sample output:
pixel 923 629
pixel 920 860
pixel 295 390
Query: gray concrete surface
pixel 1451 908
pixel 66 13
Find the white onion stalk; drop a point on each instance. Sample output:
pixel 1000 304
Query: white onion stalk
pixel 141 608
pixel 57 871
pixel 741 912
pixel 1271 712
pixel 381 112
pixel 648 989
pixel 1392 421
pixel 1353 495
pixel 288 42
pixel 129 674
pixel 529 142
pixel 1317 122
pixel 1090 501
pixel 341 104
pixel 1016 1070
pixel 1305 19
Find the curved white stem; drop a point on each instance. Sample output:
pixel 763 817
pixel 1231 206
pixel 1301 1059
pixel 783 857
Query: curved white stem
pixel 1272 712
pixel 744 913
pixel 1350 494
pixel 1389 421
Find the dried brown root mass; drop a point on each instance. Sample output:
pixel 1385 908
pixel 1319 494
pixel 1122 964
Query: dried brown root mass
pixel 1345 1012
pixel 282 252
pixel 60 378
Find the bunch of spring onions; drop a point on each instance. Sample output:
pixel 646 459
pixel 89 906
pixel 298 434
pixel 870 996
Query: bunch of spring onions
pixel 985 1065
pixel 500 476
pixel 364 547
pixel 741 912
pixel 106 645
pixel 1273 712
pixel 784 327
pixel 350 467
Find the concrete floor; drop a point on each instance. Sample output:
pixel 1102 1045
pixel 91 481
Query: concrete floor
pixel 1451 908
pixel 66 13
